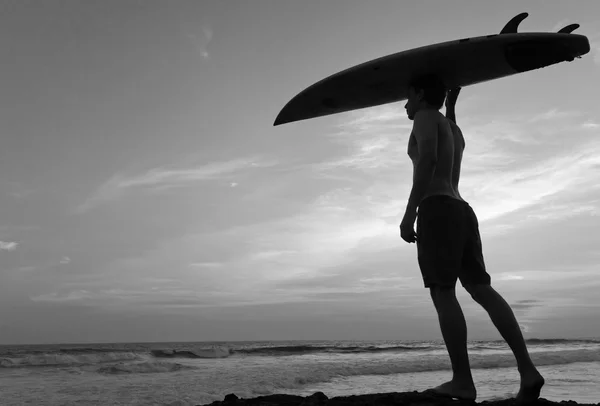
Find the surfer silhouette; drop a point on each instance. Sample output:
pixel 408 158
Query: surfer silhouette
pixel 448 241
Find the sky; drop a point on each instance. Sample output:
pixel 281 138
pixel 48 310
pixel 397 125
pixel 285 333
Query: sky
pixel 146 196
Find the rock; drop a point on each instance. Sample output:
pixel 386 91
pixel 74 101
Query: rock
pixel 373 399
pixel 316 399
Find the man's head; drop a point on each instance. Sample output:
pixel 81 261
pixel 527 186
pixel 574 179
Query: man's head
pixel 425 92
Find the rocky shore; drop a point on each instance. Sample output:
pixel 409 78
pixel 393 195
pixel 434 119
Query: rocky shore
pixel 374 399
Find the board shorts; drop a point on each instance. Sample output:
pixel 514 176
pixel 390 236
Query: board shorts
pixel 448 243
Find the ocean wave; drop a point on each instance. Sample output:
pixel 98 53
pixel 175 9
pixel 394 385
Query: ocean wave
pixel 325 371
pixel 311 349
pixel 215 352
pixel 489 347
pixel 89 350
pixel 345 349
pixel 372 349
pixel 545 341
pixel 141 368
pixel 74 355
pixel 285 350
pixel 58 359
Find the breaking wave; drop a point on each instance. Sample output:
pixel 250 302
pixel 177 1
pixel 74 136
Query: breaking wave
pixel 142 368
pixel 60 359
pixel 311 349
pixel 217 352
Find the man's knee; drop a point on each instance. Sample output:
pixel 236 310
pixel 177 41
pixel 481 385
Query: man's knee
pixel 436 290
pixel 477 290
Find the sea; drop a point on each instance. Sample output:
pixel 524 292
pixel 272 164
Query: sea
pixel 182 374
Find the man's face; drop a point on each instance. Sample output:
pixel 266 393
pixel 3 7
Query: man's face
pixel 412 104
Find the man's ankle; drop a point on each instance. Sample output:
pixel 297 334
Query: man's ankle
pixel 463 381
pixel 526 369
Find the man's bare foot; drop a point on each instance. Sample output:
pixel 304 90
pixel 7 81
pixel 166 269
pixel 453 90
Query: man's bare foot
pixel 452 390
pixel 531 386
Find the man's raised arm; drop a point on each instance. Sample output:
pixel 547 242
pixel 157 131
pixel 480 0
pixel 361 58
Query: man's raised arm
pixel 451 98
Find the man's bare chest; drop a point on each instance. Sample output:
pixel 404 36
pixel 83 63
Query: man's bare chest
pixel 413 150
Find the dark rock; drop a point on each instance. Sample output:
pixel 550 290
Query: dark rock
pixel 316 399
pixel 374 399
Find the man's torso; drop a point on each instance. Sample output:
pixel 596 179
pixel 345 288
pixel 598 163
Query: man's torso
pixel 449 159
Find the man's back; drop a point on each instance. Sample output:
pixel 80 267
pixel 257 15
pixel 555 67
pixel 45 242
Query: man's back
pixel 459 140
pixel 459 147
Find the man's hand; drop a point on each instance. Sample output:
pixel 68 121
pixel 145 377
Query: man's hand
pixel 451 97
pixel 407 231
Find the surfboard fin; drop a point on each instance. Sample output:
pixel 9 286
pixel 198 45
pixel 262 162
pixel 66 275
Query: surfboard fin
pixel 568 29
pixel 512 26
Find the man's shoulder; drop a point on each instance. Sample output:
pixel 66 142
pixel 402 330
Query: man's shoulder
pixel 453 125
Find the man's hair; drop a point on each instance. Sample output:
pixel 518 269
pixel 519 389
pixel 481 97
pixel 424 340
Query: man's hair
pixel 433 87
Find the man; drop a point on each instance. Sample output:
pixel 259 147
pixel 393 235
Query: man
pixel 448 240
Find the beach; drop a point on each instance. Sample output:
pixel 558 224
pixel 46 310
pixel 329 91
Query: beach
pixel 201 373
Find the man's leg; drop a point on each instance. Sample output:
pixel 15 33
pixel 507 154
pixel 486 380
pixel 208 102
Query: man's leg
pixel 504 319
pixel 440 245
pixel 454 331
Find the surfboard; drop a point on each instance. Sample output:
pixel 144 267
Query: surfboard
pixel 461 62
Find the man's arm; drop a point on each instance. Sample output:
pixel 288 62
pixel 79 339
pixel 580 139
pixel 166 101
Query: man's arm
pixel 451 98
pixel 425 130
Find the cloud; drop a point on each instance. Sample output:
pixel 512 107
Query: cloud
pixel 17 190
pixel 76 295
pixel 164 178
pixel 346 282
pixel 375 139
pixel 590 125
pixel 21 194
pixel 595 50
pixel 505 168
pixel 8 246
pixel 156 298
pixel 206 265
pixel 26 268
pixel 509 277
pixel 511 190
pixel 505 172
pixel 65 260
pixel 340 244
pixel 319 237
pixel 271 254
pixel 201 41
pixel 525 304
pixel 525 328
pixel 207 36
pixel 554 114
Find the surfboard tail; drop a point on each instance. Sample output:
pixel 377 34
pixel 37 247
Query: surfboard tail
pixel 568 29
pixel 512 26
